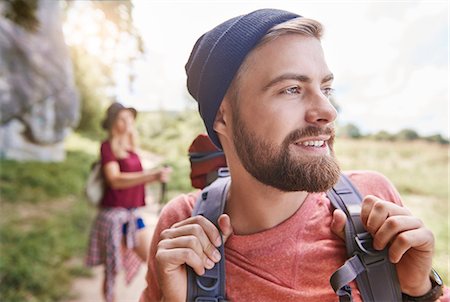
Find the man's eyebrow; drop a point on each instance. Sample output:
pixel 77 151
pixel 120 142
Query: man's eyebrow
pixel 328 78
pixel 296 77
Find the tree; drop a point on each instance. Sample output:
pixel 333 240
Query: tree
pixel 350 130
pixel 383 135
pixel 109 27
pixel 437 138
pixel 407 134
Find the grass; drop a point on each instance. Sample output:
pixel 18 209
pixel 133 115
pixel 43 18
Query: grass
pixel 415 167
pixel 43 225
pixel 420 172
pixel 45 219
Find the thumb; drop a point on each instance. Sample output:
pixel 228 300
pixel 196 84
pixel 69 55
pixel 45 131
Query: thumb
pixel 338 223
pixel 225 226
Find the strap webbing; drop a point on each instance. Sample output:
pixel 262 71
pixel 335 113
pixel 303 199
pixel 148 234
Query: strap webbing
pixel 211 286
pixel 375 275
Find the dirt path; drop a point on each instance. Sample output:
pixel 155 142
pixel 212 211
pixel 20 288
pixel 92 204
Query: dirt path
pixel 89 289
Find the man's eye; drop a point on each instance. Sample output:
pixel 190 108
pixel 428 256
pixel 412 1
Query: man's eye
pixel 328 91
pixel 292 90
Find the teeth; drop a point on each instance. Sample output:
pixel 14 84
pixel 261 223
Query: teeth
pixel 313 143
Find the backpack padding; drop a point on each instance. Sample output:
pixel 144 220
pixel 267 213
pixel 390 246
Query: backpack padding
pixel 375 275
pixel 210 286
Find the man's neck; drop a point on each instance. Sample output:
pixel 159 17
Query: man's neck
pixel 254 207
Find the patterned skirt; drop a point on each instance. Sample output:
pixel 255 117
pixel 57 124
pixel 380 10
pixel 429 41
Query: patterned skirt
pixel 106 245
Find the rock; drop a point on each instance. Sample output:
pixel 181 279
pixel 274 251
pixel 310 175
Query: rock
pixel 37 88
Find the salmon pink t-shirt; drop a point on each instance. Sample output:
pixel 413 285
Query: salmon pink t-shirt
pixel 292 261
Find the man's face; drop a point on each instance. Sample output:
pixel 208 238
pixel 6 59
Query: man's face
pixel 282 118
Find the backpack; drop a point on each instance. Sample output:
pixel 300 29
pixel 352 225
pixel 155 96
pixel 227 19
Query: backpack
pixel 375 275
pixel 95 184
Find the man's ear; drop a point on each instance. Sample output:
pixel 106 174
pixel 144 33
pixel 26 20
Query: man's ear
pixel 221 122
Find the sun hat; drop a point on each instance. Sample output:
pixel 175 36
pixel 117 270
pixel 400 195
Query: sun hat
pixel 112 112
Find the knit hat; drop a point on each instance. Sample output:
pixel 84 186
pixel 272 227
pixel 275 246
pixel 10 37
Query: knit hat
pixel 112 112
pixel 218 54
pixel 205 161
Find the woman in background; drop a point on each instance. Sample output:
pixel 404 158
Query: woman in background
pixel 119 238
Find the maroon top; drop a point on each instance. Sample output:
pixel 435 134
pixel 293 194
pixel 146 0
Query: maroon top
pixel 131 197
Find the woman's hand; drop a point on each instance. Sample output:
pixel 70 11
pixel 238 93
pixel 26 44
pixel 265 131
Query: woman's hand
pixel 164 174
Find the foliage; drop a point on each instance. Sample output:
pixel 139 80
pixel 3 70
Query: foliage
pixel 407 134
pixel 43 180
pixel 170 134
pixel 22 12
pixel 436 138
pixel 35 251
pixel 349 131
pixel 414 167
pixel 90 80
pixel 111 28
pixel 42 227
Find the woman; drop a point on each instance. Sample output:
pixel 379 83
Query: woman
pixel 119 238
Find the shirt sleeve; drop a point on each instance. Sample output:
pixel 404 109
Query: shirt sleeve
pixel 176 210
pixel 375 183
pixel 106 154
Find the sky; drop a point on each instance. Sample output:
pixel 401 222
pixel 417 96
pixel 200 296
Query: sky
pixel 390 59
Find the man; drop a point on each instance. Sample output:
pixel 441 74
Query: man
pixel 263 90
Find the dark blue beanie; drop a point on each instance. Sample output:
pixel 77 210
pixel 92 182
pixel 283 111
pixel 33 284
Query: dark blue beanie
pixel 218 54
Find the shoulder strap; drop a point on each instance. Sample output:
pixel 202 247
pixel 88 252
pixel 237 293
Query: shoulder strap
pixel 375 275
pixel 211 286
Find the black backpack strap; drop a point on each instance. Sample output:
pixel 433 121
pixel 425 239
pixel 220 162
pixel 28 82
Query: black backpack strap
pixel 211 286
pixel 375 275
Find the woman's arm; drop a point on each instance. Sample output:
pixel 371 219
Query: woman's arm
pixel 121 180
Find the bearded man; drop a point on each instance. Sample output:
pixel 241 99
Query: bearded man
pixel 263 89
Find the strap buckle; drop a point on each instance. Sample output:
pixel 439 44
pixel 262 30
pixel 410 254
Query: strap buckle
pixel 366 252
pixel 223 172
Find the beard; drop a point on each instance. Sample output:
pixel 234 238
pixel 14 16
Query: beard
pixel 275 166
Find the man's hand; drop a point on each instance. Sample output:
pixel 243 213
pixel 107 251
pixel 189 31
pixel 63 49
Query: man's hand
pixel 194 242
pixel 410 243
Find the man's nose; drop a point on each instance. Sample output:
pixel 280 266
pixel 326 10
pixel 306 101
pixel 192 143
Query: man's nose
pixel 321 111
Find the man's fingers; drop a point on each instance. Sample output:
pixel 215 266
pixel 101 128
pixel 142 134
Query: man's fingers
pixel 419 239
pixel 172 259
pixel 393 226
pixel 208 228
pixel 190 242
pixel 338 223
pixel 193 232
pixel 182 242
pixel 375 211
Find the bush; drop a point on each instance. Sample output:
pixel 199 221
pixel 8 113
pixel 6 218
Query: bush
pixel 383 136
pixel 43 224
pixel 349 131
pixel 36 181
pixel 407 135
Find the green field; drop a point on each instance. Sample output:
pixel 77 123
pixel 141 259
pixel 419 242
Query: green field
pixel 420 172
pixel 44 218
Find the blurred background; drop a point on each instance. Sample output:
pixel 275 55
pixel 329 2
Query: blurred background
pixel 63 62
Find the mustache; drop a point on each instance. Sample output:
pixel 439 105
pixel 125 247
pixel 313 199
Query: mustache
pixel 297 134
